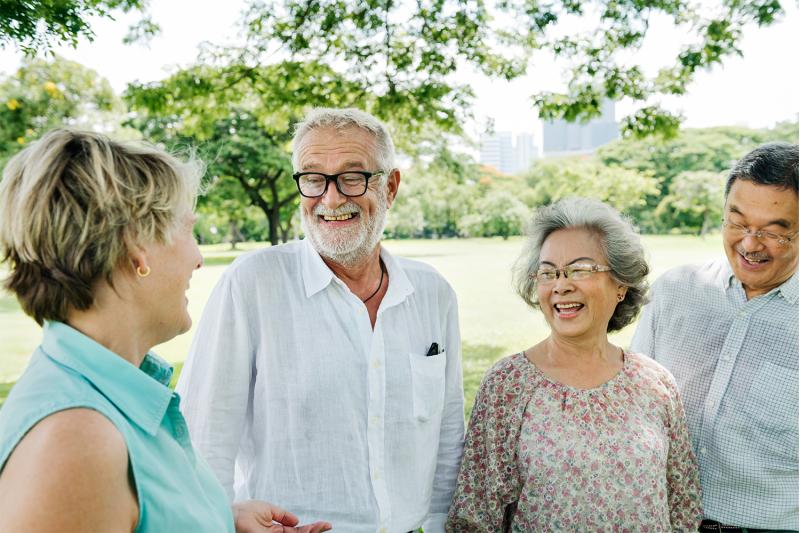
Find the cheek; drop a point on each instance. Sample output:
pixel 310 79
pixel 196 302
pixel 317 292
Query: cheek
pixel 542 295
pixel 307 205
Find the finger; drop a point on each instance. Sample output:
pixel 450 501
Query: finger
pixel 316 527
pixel 284 517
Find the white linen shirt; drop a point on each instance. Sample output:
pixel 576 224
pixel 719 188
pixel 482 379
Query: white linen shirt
pixel 293 398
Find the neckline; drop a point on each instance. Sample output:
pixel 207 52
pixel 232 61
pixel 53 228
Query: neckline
pixel 578 390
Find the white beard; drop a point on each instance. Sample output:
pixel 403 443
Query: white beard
pixel 346 247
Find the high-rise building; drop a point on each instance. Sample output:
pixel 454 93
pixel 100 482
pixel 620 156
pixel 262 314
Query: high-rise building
pixel 525 152
pixel 563 138
pixel 499 150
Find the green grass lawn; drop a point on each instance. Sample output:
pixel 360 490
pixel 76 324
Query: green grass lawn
pixel 494 321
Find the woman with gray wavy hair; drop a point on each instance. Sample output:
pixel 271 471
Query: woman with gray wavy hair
pixel 575 433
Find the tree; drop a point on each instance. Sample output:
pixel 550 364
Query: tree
pixel 553 179
pixel 46 93
pixel 410 54
pixel 247 165
pixel 239 149
pixel 712 150
pixel 39 24
pixel 694 202
pixel 501 213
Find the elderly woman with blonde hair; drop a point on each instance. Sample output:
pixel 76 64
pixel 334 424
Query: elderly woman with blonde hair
pixel 98 239
pixel 574 433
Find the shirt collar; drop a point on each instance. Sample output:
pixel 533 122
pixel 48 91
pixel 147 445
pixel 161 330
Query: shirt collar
pixel 317 275
pixel 787 289
pixel 142 394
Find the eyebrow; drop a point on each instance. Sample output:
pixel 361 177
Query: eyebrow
pixel 347 165
pixel 571 262
pixel 782 222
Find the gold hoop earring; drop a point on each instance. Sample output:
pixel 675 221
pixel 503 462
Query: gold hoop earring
pixel 143 272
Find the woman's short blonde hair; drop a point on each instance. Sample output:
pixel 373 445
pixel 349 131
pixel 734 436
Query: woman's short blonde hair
pixel 72 203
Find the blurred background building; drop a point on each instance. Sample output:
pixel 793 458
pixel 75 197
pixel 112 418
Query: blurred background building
pixel 569 138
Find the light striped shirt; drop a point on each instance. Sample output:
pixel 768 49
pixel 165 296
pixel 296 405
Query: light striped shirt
pixel 735 362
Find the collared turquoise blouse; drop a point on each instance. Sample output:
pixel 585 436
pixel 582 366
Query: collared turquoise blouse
pixel 175 489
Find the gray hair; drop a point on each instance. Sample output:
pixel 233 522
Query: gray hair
pixel 328 117
pixel 621 244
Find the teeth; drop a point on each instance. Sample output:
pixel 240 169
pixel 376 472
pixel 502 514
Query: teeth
pixel 568 306
pixel 346 216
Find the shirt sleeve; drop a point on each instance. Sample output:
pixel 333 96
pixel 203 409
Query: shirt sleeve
pixel 644 338
pixel 451 434
pixel 489 482
pixel 215 382
pixel 683 476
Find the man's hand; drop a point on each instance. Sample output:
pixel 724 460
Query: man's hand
pixel 255 516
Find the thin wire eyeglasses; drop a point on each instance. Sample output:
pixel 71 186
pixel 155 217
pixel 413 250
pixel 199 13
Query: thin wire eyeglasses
pixel 758 234
pixel 574 272
pixel 351 183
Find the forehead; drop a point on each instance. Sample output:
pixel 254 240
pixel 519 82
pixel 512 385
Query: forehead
pixel 332 149
pixel 565 245
pixel 762 204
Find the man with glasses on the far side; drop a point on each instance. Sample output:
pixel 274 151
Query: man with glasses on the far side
pixel 728 331
pixel 325 374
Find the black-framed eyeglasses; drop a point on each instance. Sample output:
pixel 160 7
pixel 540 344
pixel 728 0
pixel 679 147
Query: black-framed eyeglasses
pixel 733 227
pixel 578 271
pixel 351 183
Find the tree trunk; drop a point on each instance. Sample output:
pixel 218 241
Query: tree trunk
pixel 236 235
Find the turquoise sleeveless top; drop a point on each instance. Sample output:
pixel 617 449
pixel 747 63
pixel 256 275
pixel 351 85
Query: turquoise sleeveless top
pixel 176 490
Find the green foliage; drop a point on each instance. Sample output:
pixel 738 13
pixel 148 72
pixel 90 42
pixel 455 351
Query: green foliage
pixel 409 53
pixel 46 93
pixel 694 202
pixel 435 194
pixel 499 213
pixel 710 150
pixel 40 24
pixel 250 168
pixel 553 179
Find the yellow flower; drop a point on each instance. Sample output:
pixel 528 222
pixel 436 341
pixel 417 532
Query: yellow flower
pixel 51 89
pixel 13 104
pixel 21 140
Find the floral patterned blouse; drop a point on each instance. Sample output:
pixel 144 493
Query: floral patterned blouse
pixel 542 456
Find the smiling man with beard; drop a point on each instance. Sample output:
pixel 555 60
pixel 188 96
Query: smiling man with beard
pixel 728 331
pixel 326 373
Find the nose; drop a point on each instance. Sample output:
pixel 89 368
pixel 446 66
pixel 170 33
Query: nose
pixel 332 198
pixel 562 284
pixel 199 256
pixel 751 243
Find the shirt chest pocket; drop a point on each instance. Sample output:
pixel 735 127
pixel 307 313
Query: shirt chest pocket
pixel 427 384
pixel 773 408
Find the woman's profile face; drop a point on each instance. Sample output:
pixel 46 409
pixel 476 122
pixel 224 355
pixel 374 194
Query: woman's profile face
pixel 581 306
pixel 164 289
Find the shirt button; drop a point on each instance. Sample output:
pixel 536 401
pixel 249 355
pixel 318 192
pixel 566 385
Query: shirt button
pixel 376 363
pixel 374 420
pixel 383 530
pixel 703 450
pixel 376 476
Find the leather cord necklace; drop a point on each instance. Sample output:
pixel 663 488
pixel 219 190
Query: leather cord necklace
pixel 380 283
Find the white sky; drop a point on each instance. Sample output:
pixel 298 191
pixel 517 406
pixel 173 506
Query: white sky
pixel 757 90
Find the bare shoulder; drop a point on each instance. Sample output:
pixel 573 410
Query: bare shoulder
pixel 73 465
